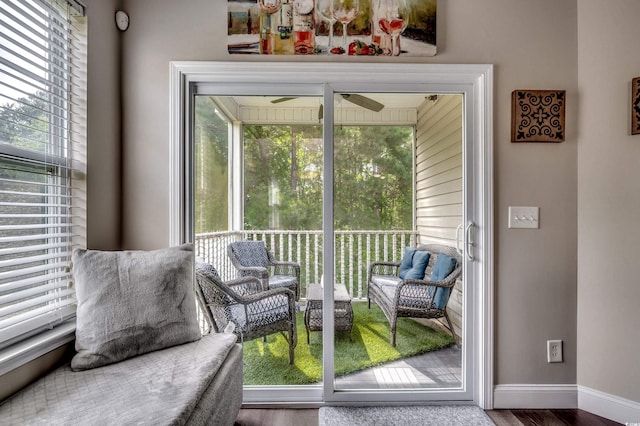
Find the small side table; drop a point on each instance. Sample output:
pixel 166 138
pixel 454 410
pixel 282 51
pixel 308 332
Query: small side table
pixel 343 312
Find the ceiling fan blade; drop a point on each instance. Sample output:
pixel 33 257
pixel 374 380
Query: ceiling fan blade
pixel 363 101
pixel 277 101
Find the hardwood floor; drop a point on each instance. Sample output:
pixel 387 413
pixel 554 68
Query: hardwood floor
pixel 309 417
pixel 547 417
pixel 277 417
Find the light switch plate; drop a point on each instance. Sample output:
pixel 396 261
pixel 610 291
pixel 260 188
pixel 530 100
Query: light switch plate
pixel 524 217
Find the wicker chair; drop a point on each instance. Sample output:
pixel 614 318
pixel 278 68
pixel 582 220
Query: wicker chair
pixel 252 259
pixel 254 312
pixel 409 297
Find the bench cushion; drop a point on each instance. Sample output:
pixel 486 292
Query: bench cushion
pixel 158 388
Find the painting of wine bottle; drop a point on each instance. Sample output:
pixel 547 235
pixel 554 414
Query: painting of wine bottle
pixel 332 27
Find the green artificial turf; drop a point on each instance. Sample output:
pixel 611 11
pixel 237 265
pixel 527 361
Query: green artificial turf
pixel 268 363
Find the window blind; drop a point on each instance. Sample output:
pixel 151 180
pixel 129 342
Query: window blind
pixel 42 162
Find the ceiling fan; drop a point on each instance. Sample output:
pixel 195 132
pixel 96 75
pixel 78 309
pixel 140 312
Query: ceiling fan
pixel 356 99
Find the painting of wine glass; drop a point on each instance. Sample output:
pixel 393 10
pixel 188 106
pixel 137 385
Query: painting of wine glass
pixel 357 28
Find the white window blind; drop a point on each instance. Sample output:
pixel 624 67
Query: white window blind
pixel 42 157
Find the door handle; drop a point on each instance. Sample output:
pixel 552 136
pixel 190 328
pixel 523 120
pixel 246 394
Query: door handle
pixel 458 249
pixel 468 236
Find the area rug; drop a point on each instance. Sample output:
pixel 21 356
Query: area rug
pixel 440 415
pixel 268 364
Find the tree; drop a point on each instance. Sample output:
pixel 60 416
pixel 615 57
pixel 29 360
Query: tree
pixel 372 177
pixel 26 123
pixel 269 167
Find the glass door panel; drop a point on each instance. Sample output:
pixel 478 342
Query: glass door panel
pixel 450 156
pixel 258 164
pixel 259 176
pixel 398 183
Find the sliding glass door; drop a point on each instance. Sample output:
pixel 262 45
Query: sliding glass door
pixel 331 177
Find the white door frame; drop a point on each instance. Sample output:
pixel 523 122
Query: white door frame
pixel 476 81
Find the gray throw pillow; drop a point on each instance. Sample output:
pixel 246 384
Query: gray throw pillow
pixel 131 303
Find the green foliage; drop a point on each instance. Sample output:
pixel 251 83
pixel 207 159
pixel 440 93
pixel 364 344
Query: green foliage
pixel 372 177
pixel 25 124
pixel 286 160
pixel 283 182
pixel 210 168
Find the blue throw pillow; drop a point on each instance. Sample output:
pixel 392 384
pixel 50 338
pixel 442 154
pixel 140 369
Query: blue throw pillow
pixel 420 260
pixel 443 267
pixel 407 261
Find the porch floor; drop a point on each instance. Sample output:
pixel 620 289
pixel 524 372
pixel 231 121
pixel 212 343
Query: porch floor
pixel 437 369
pixel 441 369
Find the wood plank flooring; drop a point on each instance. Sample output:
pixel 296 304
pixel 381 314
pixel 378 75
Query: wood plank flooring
pixel 309 417
pixel 547 417
pixel 277 417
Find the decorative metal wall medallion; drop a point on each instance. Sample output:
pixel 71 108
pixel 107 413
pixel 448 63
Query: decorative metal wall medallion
pixel 635 106
pixel 538 115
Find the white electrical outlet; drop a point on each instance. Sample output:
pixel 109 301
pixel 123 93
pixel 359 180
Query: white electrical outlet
pixel 554 350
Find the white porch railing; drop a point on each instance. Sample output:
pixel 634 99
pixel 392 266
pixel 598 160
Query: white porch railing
pixel 354 251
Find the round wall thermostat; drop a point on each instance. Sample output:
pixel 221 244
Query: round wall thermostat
pixel 122 20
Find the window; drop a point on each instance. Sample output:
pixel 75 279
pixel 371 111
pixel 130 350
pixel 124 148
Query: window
pixel 42 156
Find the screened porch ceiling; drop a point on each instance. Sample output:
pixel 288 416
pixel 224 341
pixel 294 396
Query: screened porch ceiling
pixel 399 109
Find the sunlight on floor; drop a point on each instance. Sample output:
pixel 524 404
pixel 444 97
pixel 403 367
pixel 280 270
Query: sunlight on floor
pixel 437 369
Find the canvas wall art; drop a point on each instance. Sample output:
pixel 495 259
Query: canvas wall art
pixel 332 27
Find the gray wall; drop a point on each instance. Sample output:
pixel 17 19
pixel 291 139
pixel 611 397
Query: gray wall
pixel 533 45
pixel 104 172
pixel 609 199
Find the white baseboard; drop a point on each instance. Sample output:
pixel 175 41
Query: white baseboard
pixel 535 396
pixel 609 406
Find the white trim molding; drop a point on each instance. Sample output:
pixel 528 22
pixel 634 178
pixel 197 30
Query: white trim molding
pixel 27 350
pixel 535 396
pixel 609 406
